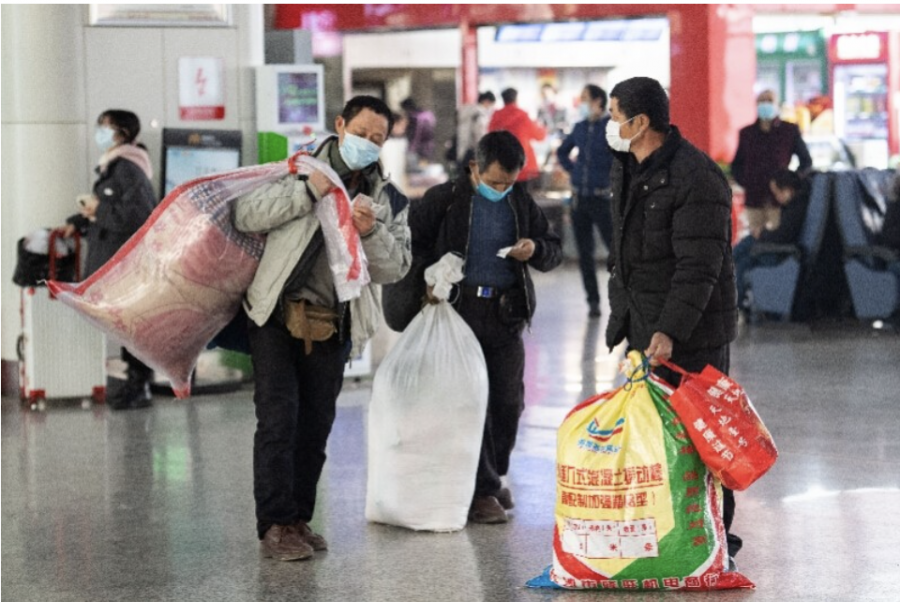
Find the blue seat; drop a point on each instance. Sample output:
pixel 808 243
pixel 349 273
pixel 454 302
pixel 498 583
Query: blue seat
pixel 874 284
pixel 774 285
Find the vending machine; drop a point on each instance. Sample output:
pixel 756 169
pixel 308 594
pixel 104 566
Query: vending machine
pixel 865 85
pixel 290 109
pixel 793 64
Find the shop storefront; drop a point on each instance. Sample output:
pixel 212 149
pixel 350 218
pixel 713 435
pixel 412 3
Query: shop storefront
pixel 793 64
pixel 711 55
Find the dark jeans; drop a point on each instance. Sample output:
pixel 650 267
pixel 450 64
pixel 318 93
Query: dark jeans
pixel 589 212
pixel 695 361
pixel 295 398
pixel 137 371
pixel 504 354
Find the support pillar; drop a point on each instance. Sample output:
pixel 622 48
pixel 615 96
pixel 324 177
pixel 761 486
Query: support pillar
pixel 44 138
pixel 469 63
pixel 713 71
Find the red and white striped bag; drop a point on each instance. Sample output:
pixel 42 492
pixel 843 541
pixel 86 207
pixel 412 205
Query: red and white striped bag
pixel 180 279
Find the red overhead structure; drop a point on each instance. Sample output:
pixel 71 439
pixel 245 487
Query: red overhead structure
pixel 713 56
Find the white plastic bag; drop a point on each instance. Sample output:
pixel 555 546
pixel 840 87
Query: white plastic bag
pixel 426 418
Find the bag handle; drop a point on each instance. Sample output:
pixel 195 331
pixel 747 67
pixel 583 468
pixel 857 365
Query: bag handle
pixel 292 162
pixel 640 372
pixel 51 253
pixel 673 367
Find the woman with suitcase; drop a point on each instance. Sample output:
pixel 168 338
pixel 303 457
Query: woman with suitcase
pixel 121 202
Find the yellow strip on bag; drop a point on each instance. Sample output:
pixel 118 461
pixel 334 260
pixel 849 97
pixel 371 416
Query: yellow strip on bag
pixel 617 512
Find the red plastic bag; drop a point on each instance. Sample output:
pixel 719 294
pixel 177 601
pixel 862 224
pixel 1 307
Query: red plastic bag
pixel 724 427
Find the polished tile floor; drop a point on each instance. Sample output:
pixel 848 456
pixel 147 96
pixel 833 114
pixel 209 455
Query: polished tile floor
pixel 156 504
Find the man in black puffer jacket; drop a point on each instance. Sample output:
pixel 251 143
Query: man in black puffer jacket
pixel 672 289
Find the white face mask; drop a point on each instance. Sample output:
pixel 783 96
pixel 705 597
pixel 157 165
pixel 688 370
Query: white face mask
pixel 615 140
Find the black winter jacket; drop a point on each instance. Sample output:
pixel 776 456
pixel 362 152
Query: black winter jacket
pixel 671 265
pixel 441 223
pixel 126 201
pixel 793 215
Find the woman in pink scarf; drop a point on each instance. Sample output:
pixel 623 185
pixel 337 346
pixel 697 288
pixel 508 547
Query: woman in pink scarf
pixel 121 202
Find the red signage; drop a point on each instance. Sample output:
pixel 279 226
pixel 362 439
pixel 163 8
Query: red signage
pixel 852 47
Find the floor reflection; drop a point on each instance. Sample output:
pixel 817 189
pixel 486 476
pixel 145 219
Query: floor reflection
pixel 157 504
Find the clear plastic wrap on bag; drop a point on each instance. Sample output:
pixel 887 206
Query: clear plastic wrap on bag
pixel 343 246
pixel 180 279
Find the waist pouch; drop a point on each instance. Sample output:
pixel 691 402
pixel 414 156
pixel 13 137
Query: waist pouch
pixel 309 322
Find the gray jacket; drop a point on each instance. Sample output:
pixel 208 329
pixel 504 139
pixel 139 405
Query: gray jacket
pixel 283 210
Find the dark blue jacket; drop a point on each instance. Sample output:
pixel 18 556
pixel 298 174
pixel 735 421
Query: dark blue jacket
pixel 590 170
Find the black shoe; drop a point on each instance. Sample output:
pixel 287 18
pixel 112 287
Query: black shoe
pixel 594 311
pixel 130 396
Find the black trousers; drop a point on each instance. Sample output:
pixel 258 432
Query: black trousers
pixel 695 361
pixel 504 354
pixel 137 371
pixel 589 213
pixel 295 398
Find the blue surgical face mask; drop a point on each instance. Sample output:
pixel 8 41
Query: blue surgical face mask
pixel 105 137
pixel 358 152
pixel 491 194
pixel 584 110
pixel 767 111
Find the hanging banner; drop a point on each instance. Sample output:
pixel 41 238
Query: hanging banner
pixel 201 88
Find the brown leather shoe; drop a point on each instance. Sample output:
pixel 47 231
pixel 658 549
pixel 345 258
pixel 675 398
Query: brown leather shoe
pixel 504 496
pixel 283 542
pixel 315 540
pixel 487 510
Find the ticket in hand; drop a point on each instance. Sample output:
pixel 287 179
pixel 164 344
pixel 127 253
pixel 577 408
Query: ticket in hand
pixel 362 200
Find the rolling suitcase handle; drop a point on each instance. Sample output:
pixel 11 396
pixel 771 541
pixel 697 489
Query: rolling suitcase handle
pixel 51 253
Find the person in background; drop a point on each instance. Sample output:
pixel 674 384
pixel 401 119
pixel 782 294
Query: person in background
pixel 791 192
pixel 121 202
pixel 764 147
pixel 671 285
pixel 516 121
pixel 890 232
pixel 890 229
pixel 550 116
pixel 589 173
pixel 419 130
pixel 298 380
pixel 481 213
pixel 471 125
